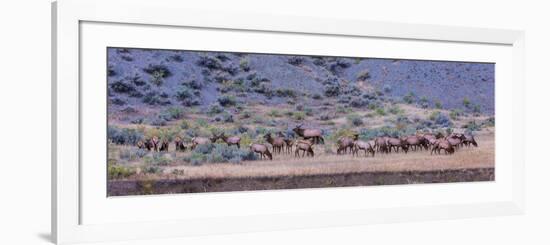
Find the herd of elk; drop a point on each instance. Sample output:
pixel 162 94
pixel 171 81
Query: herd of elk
pixel 281 143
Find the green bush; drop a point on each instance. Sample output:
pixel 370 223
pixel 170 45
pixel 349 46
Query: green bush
pixel 438 104
pixel 409 98
pixel 424 103
pixel 157 159
pixel 455 114
pixel 172 113
pixel 201 122
pixel 258 119
pixel 204 148
pixel 132 154
pixel 152 169
pixel 476 109
pixel 219 153
pixel 128 136
pixel 472 126
pixel 227 100
pixel 355 120
pixel 195 158
pixel 299 115
pixel 308 111
pixel 466 102
pixel 285 93
pixel 344 132
pixel 274 113
pixel 395 110
pixel 115 171
pixel 244 64
pixel 317 96
pixel 214 109
pixel 380 111
pixel 184 124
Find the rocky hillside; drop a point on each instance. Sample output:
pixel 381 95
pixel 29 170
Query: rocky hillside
pixel 152 80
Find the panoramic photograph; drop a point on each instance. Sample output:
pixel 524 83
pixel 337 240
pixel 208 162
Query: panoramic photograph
pixel 181 121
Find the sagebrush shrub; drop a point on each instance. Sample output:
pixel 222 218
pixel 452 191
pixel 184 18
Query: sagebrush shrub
pixel 115 171
pixel 296 60
pixel 355 120
pixel 209 62
pixel 161 71
pixel 332 90
pixel 227 100
pixel 409 98
pixel 128 136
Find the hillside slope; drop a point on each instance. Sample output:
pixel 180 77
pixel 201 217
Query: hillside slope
pixel 145 79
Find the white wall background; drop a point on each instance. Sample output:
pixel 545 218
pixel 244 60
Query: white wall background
pixel 25 122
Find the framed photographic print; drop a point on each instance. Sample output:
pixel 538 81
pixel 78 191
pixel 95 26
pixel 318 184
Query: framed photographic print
pixel 206 123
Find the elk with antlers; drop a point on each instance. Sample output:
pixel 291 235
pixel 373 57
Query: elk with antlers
pixel 309 133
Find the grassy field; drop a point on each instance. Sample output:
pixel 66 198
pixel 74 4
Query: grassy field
pixel 330 163
pixel 322 163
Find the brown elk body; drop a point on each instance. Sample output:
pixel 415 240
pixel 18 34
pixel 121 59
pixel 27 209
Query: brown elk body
pixel 343 144
pixel 262 150
pixel 231 140
pixel 288 142
pixel 140 144
pixel 200 141
pixel 164 145
pixel 277 143
pixel 309 133
pixel 455 140
pixel 178 142
pixel 359 145
pixel 443 144
pixel 396 143
pixel 381 144
pixel 430 138
pixel 470 140
pixel 416 142
pixel 155 143
pixel 306 146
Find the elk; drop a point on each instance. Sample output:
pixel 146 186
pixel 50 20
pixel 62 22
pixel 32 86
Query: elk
pixel 381 144
pixel 179 144
pixel 155 143
pixel 306 146
pixel 288 142
pixel 148 145
pixel 140 144
pixel 308 133
pixel 261 149
pixel 164 145
pixel 277 143
pixel 442 144
pixel 455 139
pixel 343 144
pixel 202 141
pixel 396 143
pixel 430 138
pixel 363 146
pixel 232 140
pixel 470 140
pixel 417 142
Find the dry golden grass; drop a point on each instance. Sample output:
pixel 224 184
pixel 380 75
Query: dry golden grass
pixel 287 164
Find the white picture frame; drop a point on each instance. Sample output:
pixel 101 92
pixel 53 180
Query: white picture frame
pixel 67 194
